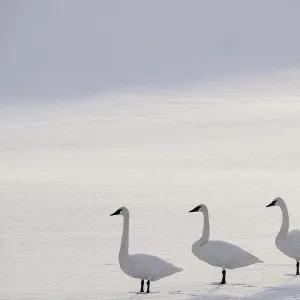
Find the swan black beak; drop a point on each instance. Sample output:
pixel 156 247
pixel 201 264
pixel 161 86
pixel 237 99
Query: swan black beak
pixel 195 209
pixel 272 203
pixel 117 212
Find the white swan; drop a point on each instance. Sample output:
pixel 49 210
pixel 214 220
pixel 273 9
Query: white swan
pixel 218 253
pixel 141 266
pixel 288 242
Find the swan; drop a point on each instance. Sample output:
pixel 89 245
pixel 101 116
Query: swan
pixel 218 253
pixel 141 266
pixel 288 242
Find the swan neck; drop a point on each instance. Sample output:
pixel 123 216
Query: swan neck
pixel 206 230
pixel 125 237
pixel 285 220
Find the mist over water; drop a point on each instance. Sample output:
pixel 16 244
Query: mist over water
pixel 71 48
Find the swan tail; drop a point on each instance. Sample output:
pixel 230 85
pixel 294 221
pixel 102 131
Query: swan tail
pixel 168 273
pixel 256 260
pixel 176 270
pixel 244 263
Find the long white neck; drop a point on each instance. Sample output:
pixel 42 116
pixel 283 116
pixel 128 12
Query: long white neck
pixel 206 230
pixel 125 237
pixel 285 220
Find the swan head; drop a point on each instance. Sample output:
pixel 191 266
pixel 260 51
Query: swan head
pixel 200 208
pixel 276 202
pixel 123 211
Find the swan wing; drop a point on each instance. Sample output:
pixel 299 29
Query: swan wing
pixel 150 267
pixel 225 255
pixel 294 239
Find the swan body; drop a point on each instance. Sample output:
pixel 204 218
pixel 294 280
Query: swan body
pixel 224 255
pixel 147 267
pixel 288 242
pixel 219 253
pixel 141 266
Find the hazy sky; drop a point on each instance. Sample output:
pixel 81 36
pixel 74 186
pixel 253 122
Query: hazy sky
pixel 65 48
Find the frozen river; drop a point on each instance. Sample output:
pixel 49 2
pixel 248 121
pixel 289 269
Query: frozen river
pixel 65 166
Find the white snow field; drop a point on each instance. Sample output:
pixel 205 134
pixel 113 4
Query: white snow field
pixel 66 165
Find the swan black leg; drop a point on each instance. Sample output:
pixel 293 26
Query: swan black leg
pixel 142 287
pixel 148 286
pixel 223 277
pixel 297 265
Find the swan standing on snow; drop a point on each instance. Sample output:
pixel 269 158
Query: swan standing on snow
pixel 141 266
pixel 288 242
pixel 218 253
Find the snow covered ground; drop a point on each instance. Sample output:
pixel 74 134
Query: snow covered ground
pixel 66 165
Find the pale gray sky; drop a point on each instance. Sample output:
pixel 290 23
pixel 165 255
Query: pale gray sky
pixel 65 48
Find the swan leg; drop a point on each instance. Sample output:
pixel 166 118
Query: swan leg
pixel 142 287
pixel 223 277
pixel 297 266
pixel 148 286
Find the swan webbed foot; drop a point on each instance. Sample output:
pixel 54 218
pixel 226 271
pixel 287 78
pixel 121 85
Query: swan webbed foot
pixel 142 287
pixel 148 286
pixel 297 266
pixel 223 277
